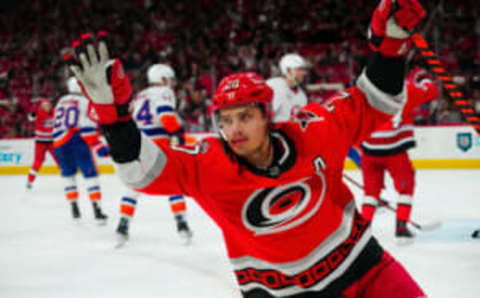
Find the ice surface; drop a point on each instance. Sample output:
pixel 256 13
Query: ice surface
pixel 43 253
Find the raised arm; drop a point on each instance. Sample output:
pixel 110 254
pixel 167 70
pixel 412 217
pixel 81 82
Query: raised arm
pixel 140 163
pixel 380 92
pixel 389 37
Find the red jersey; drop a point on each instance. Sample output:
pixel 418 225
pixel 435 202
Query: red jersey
pixel 292 227
pixel 397 135
pixel 43 126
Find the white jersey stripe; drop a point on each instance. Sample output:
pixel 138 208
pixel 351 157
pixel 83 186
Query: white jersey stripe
pixel 391 133
pixel 388 146
pixel 43 134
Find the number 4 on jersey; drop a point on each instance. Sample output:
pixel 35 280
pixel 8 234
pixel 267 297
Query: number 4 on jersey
pixel 144 114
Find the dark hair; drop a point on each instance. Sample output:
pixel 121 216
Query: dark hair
pixel 262 108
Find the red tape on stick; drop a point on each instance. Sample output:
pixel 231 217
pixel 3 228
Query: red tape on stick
pixel 451 89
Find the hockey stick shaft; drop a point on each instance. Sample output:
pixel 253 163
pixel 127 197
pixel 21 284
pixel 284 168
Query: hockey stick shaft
pixel 382 201
pixel 450 88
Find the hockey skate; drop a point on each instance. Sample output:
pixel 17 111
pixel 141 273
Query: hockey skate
pixel 183 230
pixel 99 215
pixel 122 232
pixel 402 234
pixel 476 234
pixel 28 187
pixel 75 210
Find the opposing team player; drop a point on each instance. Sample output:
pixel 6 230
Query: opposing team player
pixel 276 191
pixel 75 135
pixel 288 94
pixel 154 113
pixel 386 151
pixel 43 117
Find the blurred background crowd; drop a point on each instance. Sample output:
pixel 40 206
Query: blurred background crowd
pixel 205 40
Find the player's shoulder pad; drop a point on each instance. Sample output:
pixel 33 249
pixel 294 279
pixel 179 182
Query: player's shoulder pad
pixel 69 97
pixel 276 82
pixel 62 98
pixel 330 103
pixel 162 94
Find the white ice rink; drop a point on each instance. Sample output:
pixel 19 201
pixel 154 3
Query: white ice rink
pixel 43 253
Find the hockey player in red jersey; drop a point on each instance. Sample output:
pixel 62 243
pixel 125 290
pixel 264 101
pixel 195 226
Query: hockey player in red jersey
pixel 289 222
pixel 43 117
pixel 386 150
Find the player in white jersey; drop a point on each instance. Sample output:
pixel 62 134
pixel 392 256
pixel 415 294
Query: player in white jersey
pixel 288 94
pixel 75 134
pixel 154 113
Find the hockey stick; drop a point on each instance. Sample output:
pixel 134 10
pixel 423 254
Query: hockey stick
pixel 386 204
pixel 451 89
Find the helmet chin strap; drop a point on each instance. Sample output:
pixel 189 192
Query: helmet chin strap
pixel 222 134
pixel 216 126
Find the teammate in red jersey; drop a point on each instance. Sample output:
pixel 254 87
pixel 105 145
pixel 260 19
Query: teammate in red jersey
pixel 43 117
pixel 289 222
pixel 386 150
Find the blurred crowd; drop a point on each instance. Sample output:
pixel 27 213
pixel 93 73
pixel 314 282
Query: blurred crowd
pixel 205 40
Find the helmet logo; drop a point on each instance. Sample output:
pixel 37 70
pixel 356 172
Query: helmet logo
pixel 231 85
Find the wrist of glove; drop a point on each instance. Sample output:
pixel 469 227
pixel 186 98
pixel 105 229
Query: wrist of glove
pixel 101 150
pixel 102 80
pixel 391 24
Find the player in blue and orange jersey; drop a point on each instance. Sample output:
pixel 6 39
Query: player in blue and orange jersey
pixel 75 135
pixel 154 113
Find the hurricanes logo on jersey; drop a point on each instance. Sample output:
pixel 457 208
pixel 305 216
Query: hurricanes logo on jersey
pixel 48 123
pixel 276 209
pixel 303 117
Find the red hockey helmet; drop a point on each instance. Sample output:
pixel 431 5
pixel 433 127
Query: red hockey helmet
pixel 418 74
pixel 43 103
pixel 240 89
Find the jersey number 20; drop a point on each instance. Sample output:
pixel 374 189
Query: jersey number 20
pixel 66 116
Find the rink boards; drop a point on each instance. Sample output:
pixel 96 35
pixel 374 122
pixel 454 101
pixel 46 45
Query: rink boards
pixel 438 147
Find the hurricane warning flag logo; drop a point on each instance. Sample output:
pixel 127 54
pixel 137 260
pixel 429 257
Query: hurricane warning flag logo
pixel 276 209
